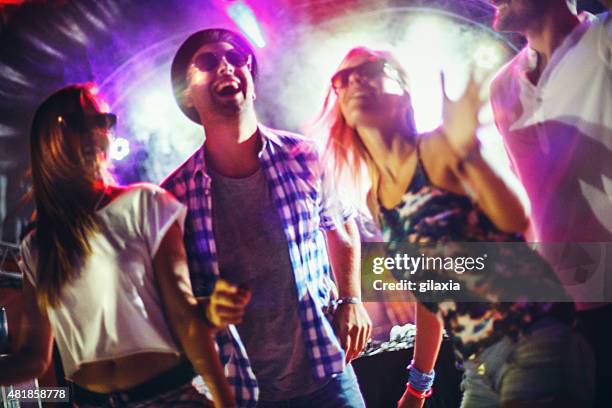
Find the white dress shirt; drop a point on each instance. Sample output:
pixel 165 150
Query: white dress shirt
pixel 558 134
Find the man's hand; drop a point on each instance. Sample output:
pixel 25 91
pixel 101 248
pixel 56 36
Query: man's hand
pixel 226 304
pixel 353 328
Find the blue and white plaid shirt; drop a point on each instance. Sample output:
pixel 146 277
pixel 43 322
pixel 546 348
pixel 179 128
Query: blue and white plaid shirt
pixel 293 171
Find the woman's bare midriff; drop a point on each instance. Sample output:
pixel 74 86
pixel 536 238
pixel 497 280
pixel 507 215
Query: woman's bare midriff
pixel 124 373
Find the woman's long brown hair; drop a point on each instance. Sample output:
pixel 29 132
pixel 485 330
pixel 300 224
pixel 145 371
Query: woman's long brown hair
pixel 66 185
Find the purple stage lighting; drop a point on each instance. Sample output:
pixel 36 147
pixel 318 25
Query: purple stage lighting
pixel 245 19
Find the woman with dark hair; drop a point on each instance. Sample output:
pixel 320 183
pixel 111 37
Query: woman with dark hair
pixel 439 191
pixel 106 274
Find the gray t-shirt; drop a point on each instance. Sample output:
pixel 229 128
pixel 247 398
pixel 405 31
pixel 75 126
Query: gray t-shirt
pixel 252 249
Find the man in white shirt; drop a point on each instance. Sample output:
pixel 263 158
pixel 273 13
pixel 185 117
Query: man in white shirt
pixel 553 106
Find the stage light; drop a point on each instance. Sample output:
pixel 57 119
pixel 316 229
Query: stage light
pixel 151 108
pixel 423 50
pixel 487 56
pixel 119 148
pixel 160 136
pixel 245 19
pixel 427 37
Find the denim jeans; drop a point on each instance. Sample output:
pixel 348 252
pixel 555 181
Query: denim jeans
pixel 551 361
pixel 342 391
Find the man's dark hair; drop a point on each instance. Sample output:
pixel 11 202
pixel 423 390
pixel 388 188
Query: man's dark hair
pixel 190 46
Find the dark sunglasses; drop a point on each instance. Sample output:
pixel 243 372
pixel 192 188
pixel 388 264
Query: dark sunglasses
pixel 369 70
pixel 208 61
pixel 85 121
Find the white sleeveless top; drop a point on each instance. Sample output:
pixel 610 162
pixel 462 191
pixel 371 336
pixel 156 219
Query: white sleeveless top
pixel 113 309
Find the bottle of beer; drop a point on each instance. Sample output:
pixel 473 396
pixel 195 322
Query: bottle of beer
pixel 4 335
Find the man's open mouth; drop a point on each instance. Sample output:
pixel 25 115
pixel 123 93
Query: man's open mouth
pixel 228 87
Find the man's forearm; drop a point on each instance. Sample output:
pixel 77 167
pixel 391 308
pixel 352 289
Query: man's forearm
pixel 344 248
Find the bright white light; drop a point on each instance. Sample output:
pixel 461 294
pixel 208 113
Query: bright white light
pixel 154 123
pixel 424 50
pixel 152 109
pixel 245 18
pixel 119 148
pixel 487 56
pixel 426 38
pixel 426 95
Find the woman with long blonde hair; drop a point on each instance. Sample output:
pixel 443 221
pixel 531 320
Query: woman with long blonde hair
pixel 438 188
pixel 106 274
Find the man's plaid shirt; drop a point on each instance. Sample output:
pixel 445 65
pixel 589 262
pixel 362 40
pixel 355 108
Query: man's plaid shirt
pixel 293 172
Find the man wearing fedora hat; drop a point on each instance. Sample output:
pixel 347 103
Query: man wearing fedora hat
pixel 258 233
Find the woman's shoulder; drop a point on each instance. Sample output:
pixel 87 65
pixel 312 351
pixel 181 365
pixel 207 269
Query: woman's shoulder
pixel 141 187
pixel 137 192
pixel 434 143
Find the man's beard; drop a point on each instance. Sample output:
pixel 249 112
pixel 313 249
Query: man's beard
pixel 229 108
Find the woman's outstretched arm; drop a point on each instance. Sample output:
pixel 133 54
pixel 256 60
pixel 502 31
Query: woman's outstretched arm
pixel 498 193
pixel 186 317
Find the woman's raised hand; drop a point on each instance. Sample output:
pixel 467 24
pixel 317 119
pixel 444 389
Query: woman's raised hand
pixel 460 117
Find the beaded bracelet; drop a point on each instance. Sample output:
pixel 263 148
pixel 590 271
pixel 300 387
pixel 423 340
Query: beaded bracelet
pixel 419 380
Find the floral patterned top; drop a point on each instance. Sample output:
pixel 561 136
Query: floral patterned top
pixel 438 220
